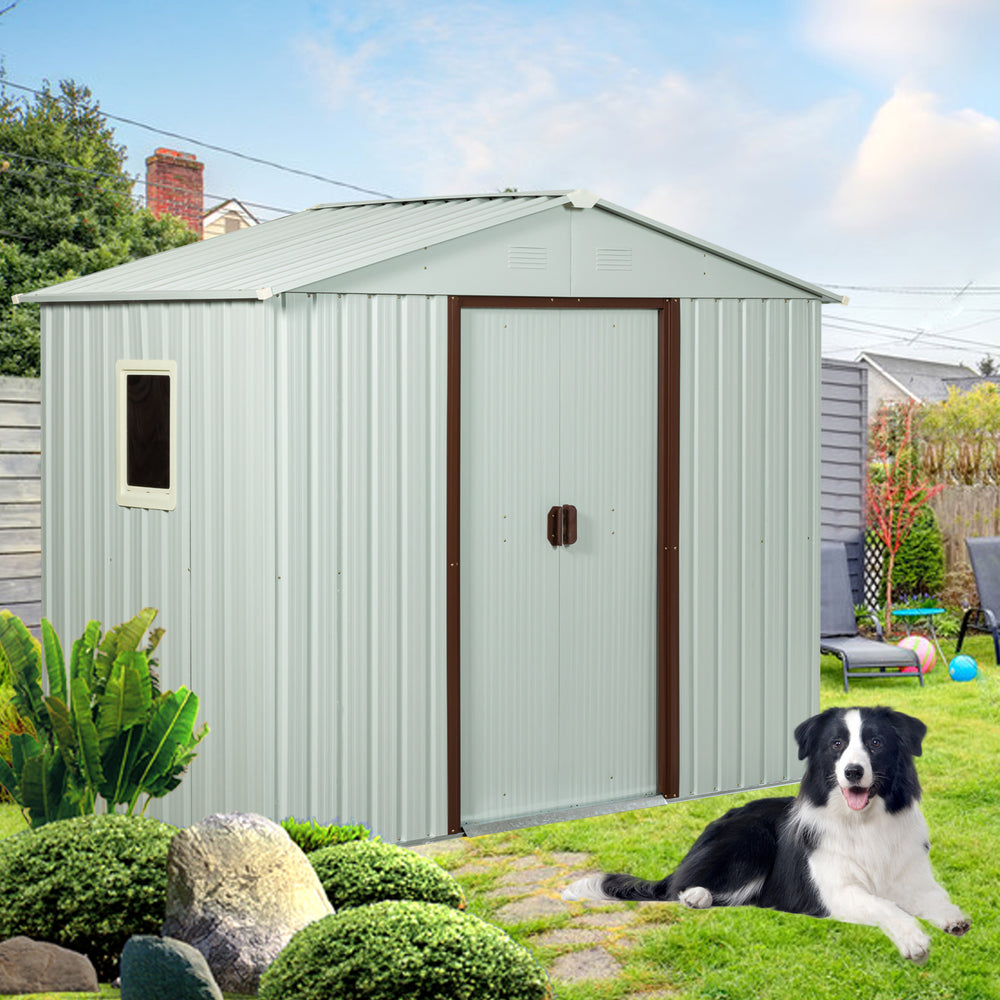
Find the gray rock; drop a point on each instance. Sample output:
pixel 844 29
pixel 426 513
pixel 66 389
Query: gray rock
pixel 165 969
pixel 28 966
pixel 238 888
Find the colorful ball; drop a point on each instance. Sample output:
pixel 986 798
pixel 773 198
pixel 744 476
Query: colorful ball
pixel 962 668
pixel 924 648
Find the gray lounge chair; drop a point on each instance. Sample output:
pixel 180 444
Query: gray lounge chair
pixel 984 554
pixel 838 628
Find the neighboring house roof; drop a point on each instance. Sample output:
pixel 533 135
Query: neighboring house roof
pixel 922 381
pixel 232 208
pixel 298 252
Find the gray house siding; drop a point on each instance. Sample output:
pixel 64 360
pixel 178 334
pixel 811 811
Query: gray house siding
pixel 843 459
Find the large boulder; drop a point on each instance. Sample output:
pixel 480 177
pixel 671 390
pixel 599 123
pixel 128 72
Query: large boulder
pixel 238 888
pixel 165 969
pixel 28 966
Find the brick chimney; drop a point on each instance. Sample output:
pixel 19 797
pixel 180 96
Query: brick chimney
pixel 175 186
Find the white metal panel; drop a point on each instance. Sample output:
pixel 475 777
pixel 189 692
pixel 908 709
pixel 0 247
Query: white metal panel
pixel 361 494
pixel 301 577
pixel 558 645
pixel 749 522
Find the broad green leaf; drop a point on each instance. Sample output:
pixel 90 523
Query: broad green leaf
pixel 130 633
pixel 86 734
pixel 23 653
pixel 126 700
pixel 117 762
pixel 62 727
pixel 54 665
pixel 81 662
pixel 43 786
pixel 183 755
pixel 22 747
pixel 9 780
pixel 171 727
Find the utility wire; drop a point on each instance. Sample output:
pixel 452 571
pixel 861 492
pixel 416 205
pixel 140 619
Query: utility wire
pixel 218 149
pixel 133 180
pixel 954 290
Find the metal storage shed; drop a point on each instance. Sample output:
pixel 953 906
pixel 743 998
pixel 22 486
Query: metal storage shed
pixel 476 511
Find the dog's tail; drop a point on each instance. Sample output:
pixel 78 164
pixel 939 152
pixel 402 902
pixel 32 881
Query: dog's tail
pixel 617 888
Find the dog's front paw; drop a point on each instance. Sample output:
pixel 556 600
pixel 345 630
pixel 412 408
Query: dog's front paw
pixel 958 927
pixel 697 898
pixel 914 945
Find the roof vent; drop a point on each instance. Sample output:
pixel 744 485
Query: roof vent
pixel 532 258
pixel 582 198
pixel 609 259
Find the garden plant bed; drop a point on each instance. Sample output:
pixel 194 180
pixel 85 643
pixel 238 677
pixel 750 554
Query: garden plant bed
pixel 602 951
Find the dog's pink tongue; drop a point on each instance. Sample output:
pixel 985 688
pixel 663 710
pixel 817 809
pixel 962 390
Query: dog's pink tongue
pixel 857 798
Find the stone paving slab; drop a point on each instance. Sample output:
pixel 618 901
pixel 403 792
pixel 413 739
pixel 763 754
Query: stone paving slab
pixel 617 918
pixel 530 876
pixel 562 936
pixel 529 908
pixel 594 963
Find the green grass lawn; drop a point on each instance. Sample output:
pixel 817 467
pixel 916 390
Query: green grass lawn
pixel 732 954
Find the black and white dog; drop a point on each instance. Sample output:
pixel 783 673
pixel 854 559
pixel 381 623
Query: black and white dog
pixel 852 845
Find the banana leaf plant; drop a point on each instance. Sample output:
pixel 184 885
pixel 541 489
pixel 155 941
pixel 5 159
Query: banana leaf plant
pixel 104 731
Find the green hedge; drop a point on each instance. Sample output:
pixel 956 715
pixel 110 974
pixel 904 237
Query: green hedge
pixel 368 871
pixel 87 883
pixel 404 950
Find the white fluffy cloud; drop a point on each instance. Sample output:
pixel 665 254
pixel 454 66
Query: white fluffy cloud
pixel 922 169
pixel 897 39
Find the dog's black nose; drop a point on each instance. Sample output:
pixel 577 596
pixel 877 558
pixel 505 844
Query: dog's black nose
pixel 854 772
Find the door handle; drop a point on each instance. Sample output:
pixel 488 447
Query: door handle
pixel 562 525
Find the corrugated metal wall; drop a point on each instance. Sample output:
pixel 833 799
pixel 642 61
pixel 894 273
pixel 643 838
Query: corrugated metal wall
pixel 749 523
pixel 302 602
pixel 301 578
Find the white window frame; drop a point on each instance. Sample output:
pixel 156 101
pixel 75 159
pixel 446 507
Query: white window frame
pixel 146 497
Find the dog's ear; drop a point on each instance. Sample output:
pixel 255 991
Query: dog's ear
pixel 805 735
pixel 910 730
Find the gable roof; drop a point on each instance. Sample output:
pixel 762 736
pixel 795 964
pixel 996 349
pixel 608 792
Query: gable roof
pixel 922 381
pixel 300 251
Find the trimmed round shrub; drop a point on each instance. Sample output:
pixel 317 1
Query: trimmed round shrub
pixel 87 883
pixel 367 871
pixel 404 949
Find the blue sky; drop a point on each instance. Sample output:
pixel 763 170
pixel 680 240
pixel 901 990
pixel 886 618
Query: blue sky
pixel 849 142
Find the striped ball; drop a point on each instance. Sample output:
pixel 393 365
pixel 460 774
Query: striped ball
pixel 924 648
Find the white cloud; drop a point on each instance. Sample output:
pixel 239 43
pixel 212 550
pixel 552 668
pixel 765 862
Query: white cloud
pixel 922 170
pixel 899 39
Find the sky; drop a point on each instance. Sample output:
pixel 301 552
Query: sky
pixel 852 143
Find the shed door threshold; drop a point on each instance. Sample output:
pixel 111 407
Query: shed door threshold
pixel 563 815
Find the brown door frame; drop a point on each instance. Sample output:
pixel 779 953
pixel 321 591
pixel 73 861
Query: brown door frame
pixel 668 469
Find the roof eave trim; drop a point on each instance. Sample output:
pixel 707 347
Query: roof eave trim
pixel 825 296
pixel 220 294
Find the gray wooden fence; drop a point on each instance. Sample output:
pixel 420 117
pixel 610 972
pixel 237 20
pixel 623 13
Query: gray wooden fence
pixel 21 498
pixel 843 461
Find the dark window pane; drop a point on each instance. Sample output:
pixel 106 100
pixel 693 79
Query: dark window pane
pixel 148 421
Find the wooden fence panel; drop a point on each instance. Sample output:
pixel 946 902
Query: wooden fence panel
pixel 21 499
pixel 965 512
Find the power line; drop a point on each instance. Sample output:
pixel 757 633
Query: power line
pixel 919 289
pixel 212 146
pixel 133 180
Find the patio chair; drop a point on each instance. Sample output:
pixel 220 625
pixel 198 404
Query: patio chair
pixel 984 554
pixel 838 628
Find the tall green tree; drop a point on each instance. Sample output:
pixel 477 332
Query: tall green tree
pixel 66 207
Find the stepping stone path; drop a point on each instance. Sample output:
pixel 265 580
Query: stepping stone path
pixel 529 888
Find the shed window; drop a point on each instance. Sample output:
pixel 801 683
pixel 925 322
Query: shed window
pixel 147 434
